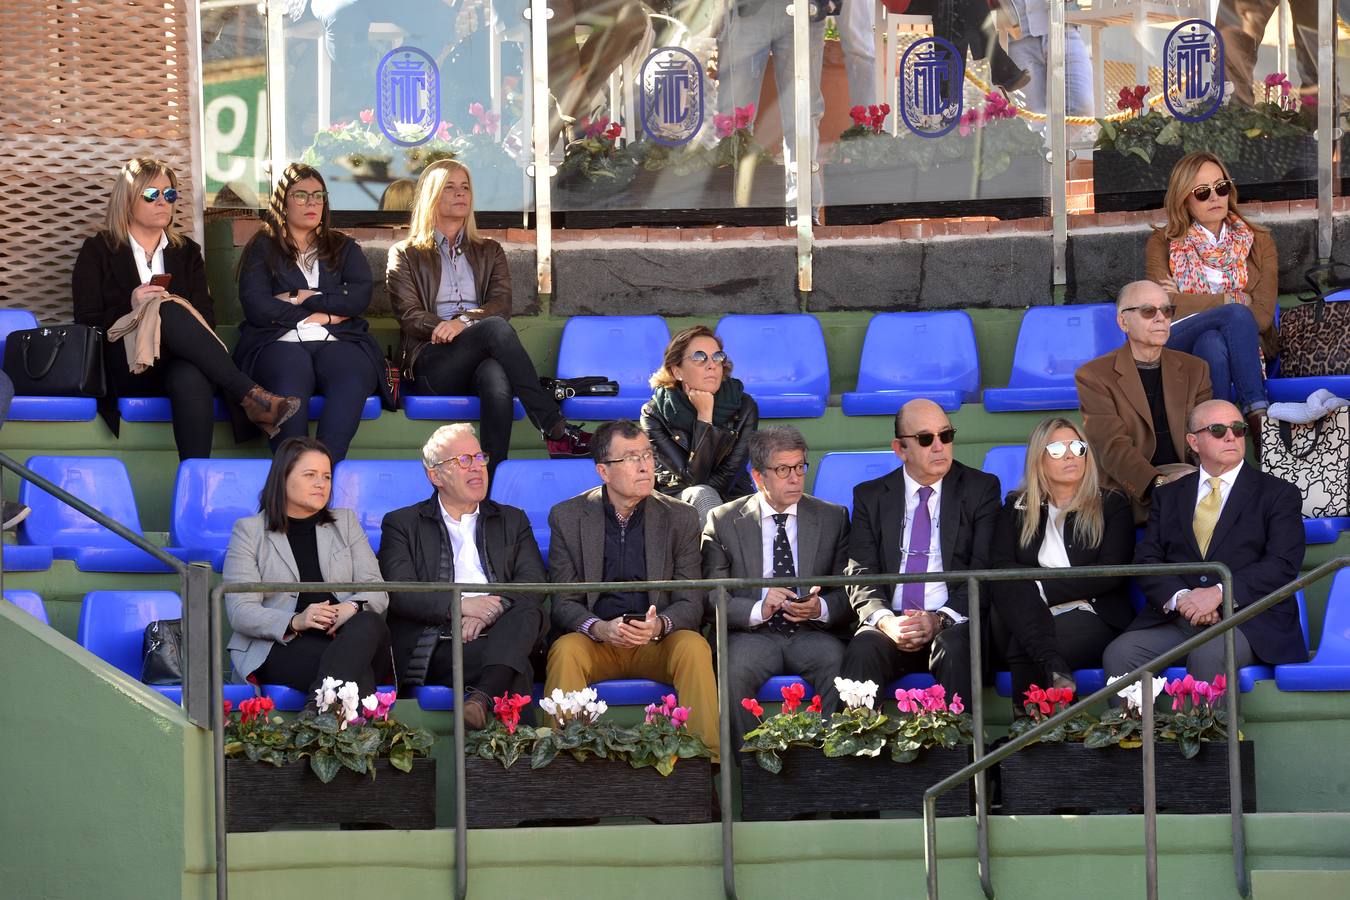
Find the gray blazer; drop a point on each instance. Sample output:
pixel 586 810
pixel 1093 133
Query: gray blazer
pixel 576 552
pixel 733 547
pixel 256 554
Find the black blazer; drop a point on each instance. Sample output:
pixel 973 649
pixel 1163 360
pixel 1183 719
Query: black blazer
pixel 101 287
pixel 709 454
pixel 344 293
pixel 410 550
pixel 967 513
pixel 1109 596
pixel 1259 536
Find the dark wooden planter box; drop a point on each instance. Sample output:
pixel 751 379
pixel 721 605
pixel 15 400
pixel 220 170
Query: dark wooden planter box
pixel 814 783
pixel 1267 169
pixel 567 789
pixel 661 197
pixel 259 797
pixel 861 196
pixel 1052 779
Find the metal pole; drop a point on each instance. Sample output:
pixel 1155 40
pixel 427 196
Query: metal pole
pixel 1326 132
pixel 1059 148
pixel 276 90
pixel 196 637
pixel 461 801
pixel 218 746
pixel 977 714
pixel 1150 792
pixel 541 169
pixel 196 127
pixel 1234 755
pixel 803 159
pixel 729 753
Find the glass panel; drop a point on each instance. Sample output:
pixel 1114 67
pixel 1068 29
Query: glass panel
pixel 234 104
pixel 377 89
pixel 940 140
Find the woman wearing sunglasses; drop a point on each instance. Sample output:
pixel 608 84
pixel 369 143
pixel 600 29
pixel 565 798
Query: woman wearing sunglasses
pixel 699 421
pixel 1221 273
pixel 451 290
pixel 1060 517
pixel 140 255
pixel 303 287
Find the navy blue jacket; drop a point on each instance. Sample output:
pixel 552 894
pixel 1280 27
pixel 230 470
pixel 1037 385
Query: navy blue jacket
pixel 1259 536
pixel 342 293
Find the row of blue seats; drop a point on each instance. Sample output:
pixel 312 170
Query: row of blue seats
pixel 904 356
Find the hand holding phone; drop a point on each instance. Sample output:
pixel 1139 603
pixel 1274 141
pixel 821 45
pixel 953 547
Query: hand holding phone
pixel 161 281
pixel 634 618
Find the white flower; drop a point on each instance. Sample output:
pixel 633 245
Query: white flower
pixel 549 706
pixel 370 705
pixel 856 694
pixel 326 695
pixel 1133 694
pixel 350 696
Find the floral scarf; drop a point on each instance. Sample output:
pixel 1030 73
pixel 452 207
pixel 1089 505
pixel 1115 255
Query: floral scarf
pixel 1189 255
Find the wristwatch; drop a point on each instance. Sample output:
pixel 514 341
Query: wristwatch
pixel 465 319
pixel 295 293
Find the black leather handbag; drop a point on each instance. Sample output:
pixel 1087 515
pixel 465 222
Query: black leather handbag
pixel 584 386
pixel 56 361
pixel 162 656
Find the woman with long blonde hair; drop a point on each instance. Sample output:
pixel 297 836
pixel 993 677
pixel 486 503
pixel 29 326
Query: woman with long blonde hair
pixel 1059 517
pixel 451 290
pixel 141 256
pixel 1221 274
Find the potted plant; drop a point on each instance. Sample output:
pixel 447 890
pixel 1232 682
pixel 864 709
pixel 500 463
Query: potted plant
pixel 1268 147
pixel 1096 761
pixel 323 766
pixel 582 767
pixel 794 763
pixel 358 147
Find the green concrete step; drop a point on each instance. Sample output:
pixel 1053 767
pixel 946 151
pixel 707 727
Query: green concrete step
pixel 1301 884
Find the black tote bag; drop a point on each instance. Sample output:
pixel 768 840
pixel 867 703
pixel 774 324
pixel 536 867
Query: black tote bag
pixel 56 361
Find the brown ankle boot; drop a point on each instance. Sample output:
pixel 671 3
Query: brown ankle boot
pixel 267 410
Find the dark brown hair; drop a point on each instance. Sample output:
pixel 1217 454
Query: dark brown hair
pixel 272 500
pixel 328 244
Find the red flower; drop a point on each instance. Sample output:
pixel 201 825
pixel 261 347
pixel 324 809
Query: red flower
pixel 859 115
pixel 792 696
pixel 228 706
pixel 815 704
pixel 614 131
pixel 507 709
pixel 266 704
pixel 752 705
pixel 745 116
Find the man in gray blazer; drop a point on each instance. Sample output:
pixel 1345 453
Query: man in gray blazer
pixel 624 531
pixel 780 532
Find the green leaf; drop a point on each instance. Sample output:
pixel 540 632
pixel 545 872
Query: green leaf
pixel 401 758
pixel 1189 746
pixel 769 762
pixel 325 765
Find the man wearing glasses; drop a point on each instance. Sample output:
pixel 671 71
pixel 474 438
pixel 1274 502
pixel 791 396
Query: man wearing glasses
pixel 624 531
pixel 779 532
pixel 932 515
pixel 459 536
pixel 1231 513
pixel 1135 399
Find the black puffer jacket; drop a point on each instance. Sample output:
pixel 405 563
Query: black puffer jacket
pixel 690 452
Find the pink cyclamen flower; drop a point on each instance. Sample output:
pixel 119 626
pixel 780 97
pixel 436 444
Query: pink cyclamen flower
pixel 745 116
pixel 956 706
pixel 443 132
pixel 902 700
pixel 724 125
pixel 679 715
pixel 367 116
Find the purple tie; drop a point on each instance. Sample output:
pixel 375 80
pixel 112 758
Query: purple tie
pixel 916 560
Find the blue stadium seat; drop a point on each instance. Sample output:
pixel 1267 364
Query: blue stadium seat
pixel 626 349
pixel 909 682
pixel 157 409
pixel 288 699
pixel 27 558
pixel 29 602
pixel 783 362
pixel 424 407
pixel 373 487
pixel 209 496
pixel 632 691
pixel 440 697
pixel 1296 390
pixel 1052 343
pixel 1008 464
pixel 771 691
pixel 112 627
pixel 916 354
pixel 537 485
pixel 102 483
pixel 41 409
pixel 1325 531
pixel 838 473
pixel 1249 675
pixel 1088 680
pixel 1329 669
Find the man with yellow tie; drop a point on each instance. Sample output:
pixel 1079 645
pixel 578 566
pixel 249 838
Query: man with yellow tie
pixel 1227 512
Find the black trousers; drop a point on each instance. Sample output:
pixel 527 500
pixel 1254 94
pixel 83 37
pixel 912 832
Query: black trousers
pixel 1027 636
pixel 505 648
pixel 193 366
pixel 339 370
pixel 963 23
pixel 871 656
pixel 358 652
pixel 489 361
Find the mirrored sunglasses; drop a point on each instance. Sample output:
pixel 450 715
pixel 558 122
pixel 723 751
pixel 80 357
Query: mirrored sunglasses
pixel 700 357
pixel 150 195
pixel 1057 449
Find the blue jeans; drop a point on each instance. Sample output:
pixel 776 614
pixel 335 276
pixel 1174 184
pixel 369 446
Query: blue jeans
pixel 1226 337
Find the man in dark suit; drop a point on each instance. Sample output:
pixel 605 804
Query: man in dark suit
pixel 459 536
pixel 779 532
pixel 1227 512
pixel 623 531
pixel 932 515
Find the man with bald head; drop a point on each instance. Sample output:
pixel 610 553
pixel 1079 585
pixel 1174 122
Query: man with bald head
pixel 931 515
pixel 1135 399
pixel 1227 512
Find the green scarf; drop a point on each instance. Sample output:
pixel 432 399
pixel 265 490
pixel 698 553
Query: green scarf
pixel 674 406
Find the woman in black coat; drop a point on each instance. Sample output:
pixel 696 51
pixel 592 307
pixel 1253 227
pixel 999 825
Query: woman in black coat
pixel 699 421
pixel 303 287
pixel 1060 518
pixel 140 255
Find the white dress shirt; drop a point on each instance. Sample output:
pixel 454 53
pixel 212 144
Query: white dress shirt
pixel 934 592
pixel 148 264
pixel 464 549
pixel 768 531
pixel 1054 554
pixel 308 331
pixel 1226 482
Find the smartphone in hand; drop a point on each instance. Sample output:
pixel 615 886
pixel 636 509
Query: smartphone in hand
pixel 634 618
pixel 161 281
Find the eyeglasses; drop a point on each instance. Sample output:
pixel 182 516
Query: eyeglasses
pixel 700 357
pixel 304 197
pixel 1057 449
pixel 1218 430
pixel 465 460
pixel 632 459
pixel 785 471
pixel 1148 312
pixel 150 195
pixel 925 438
pixel 1223 187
